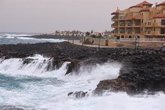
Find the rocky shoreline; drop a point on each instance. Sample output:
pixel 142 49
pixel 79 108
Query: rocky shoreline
pixel 143 69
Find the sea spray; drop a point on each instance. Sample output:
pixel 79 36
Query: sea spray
pixel 31 85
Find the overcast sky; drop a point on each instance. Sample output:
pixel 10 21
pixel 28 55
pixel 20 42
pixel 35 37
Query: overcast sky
pixel 50 15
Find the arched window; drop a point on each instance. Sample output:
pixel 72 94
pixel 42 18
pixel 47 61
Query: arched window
pixel 118 37
pixel 138 37
pixel 130 36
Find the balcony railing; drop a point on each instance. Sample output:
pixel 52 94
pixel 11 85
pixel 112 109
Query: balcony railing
pixel 151 33
pixel 137 24
pixel 129 32
pixel 129 24
pixel 157 24
pixel 114 25
pixel 114 18
pixel 122 31
pixel 115 31
pixel 137 32
pixel 121 17
pixel 150 25
pixel 122 24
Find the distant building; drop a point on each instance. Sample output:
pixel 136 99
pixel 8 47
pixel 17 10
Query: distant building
pixel 69 33
pixel 106 33
pixel 141 20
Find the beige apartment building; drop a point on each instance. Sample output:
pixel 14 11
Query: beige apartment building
pixel 141 20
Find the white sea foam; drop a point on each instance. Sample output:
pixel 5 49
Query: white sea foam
pixel 37 67
pixel 41 39
pixel 49 92
pixel 25 38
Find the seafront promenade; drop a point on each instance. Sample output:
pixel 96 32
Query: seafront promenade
pixel 120 43
pixel 106 42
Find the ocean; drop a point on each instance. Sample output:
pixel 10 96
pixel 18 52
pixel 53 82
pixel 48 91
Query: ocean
pixel 24 39
pixel 32 87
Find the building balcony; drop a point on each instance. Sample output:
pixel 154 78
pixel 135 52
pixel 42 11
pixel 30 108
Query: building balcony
pixel 115 18
pixel 151 33
pixel 122 24
pixel 114 25
pixel 115 31
pixel 158 33
pixel 129 25
pixel 122 31
pixel 149 26
pixel 137 32
pixel 132 25
pixel 129 32
pixel 122 19
pixel 158 25
pixel 137 24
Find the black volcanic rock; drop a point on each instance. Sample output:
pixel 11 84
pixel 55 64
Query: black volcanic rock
pixel 27 61
pixel 142 70
pixel 141 73
pixel 78 94
pixel 73 67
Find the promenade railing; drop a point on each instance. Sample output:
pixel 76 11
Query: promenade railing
pixel 123 42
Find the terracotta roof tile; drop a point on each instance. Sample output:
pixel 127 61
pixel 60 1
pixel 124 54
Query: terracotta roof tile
pixel 142 4
pixel 145 3
pixel 163 3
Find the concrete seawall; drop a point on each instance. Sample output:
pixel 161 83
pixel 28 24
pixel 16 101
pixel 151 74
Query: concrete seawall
pixel 128 43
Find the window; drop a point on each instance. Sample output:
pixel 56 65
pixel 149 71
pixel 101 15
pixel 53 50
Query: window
pixel 162 31
pixel 130 36
pixel 163 22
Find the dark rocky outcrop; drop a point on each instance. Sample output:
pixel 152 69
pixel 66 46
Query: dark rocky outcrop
pixel 27 61
pixel 78 94
pixel 73 66
pixel 143 69
pixel 141 73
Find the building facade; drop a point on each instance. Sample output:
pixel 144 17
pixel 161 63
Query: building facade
pixel 139 21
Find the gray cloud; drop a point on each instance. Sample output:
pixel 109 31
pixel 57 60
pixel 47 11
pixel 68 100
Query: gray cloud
pixel 50 15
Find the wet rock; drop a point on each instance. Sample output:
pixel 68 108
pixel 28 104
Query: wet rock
pixel 73 67
pixel 27 61
pixel 70 93
pixel 162 48
pixel 139 74
pixel 78 94
pixel 114 85
pixel 143 69
pixel 54 64
pixel 57 64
